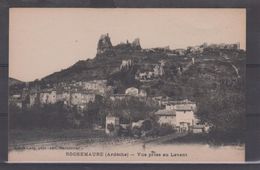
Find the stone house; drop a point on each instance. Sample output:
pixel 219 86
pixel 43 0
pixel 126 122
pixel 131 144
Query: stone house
pixel 96 86
pixel 33 98
pixel 48 97
pixel 112 125
pixel 114 97
pixel 180 115
pixel 196 49
pixel 185 118
pixel 166 117
pixel 81 99
pixel 16 100
pixel 180 51
pixel 63 96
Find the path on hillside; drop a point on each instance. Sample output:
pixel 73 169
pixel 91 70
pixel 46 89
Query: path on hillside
pixel 236 70
pixel 232 65
pixel 226 58
pixel 187 67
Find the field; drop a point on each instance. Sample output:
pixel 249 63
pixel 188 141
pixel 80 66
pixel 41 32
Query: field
pixel 18 137
pixel 77 137
pixel 65 138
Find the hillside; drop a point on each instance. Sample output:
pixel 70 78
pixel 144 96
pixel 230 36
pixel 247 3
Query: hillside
pixel 211 69
pixel 212 76
pixel 13 81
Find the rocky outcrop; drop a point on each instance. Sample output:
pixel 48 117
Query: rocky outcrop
pixel 104 44
pixel 126 64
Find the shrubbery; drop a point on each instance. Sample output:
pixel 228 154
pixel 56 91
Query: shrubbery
pixel 61 116
pixel 165 129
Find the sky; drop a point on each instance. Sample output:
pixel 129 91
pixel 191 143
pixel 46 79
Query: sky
pixel 46 40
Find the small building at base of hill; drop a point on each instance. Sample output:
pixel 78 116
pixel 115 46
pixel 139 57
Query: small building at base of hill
pixel 112 125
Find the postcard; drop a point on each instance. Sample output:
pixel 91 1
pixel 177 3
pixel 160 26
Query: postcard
pixel 127 85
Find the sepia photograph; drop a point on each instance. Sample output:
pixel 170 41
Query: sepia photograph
pixel 127 85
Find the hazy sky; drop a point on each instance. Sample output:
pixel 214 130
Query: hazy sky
pixel 43 41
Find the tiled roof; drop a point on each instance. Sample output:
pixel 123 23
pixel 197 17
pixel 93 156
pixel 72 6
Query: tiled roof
pixel 164 112
pixel 184 107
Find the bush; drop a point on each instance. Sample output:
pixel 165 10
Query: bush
pixel 165 129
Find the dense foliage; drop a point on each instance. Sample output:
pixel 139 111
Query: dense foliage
pixel 59 116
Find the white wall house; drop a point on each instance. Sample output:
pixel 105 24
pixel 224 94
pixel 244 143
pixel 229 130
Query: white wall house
pixel 171 106
pixel 81 99
pixel 114 97
pixel 48 97
pixel 114 122
pixel 185 117
pixel 97 86
pixel 64 97
pixel 32 99
pixel 16 99
pixel 180 114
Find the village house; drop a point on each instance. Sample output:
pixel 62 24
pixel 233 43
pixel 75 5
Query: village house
pixel 196 49
pixel 180 115
pixel 223 46
pixel 169 105
pixel 33 97
pixel 48 96
pixel 96 86
pixel 158 69
pixel 161 100
pixel 112 125
pixel 81 99
pixel 180 51
pixel 185 118
pixel 167 117
pixel 155 71
pixel 114 97
pixel 145 76
pixel 16 100
pixel 25 93
pixel 63 96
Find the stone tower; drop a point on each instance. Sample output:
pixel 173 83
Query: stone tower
pixel 104 44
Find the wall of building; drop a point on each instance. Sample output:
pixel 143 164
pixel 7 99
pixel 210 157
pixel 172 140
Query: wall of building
pixel 170 120
pixel 114 121
pixel 185 116
pixel 48 97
